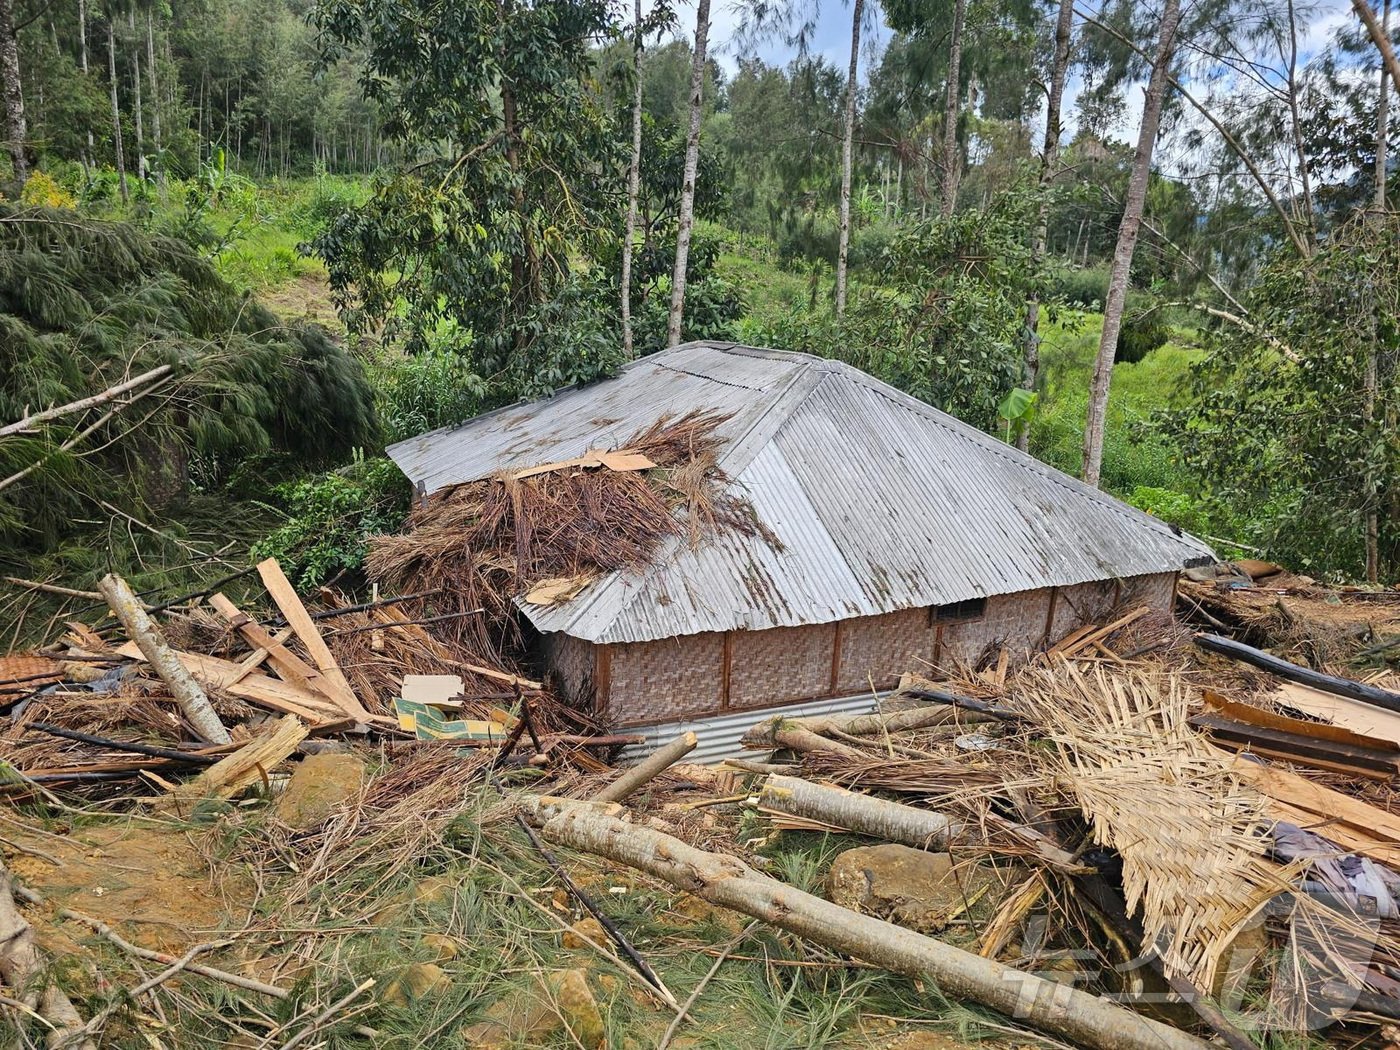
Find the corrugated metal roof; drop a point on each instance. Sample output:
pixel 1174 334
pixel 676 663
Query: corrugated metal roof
pixel 880 501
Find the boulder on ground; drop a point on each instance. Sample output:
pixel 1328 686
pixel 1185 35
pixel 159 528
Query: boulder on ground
pixel 917 889
pixel 320 785
pixel 416 982
pixel 561 999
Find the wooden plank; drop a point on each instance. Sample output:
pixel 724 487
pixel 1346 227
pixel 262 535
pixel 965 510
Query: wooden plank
pixel 253 660
pixel 240 770
pixel 1099 634
pixel 1321 754
pixel 1286 786
pixel 1257 716
pixel 285 595
pixel 1343 711
pixel 1072 639
pixel 1314 763
pixel 290 667
pixel 256 688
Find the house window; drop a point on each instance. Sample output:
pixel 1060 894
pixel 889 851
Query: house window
pixel 961 612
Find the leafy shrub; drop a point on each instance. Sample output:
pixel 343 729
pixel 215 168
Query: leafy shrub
pixel 43 191
pixel 1175 508
pixel 1084 287
pixel 331 516
pixel 427 391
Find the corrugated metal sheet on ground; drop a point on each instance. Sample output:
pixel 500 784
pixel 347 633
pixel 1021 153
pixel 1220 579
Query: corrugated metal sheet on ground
pixel 880 502
pixel 719 735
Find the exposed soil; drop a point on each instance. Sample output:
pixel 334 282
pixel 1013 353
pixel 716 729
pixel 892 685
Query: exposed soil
pixel 153 885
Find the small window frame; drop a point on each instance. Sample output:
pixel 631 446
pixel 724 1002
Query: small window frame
pixel 968 611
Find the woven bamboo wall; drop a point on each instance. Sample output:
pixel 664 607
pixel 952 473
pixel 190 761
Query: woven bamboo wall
pixel 702 674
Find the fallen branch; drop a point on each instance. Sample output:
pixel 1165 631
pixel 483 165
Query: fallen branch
pixel 51 588
pixel 328 1014
pixel 143 631
pixel 31 421
pixel 1045 1005
pixel 24 970
pixel 1367 694
pixel 100 1018
pixel 780 732
pixel 655 764
pixel 700 986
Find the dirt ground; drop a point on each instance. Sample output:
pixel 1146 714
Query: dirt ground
pixel 158 887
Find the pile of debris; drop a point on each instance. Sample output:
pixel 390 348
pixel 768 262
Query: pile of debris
pixel 1132 841
pixel 131 700
pixel 1099 821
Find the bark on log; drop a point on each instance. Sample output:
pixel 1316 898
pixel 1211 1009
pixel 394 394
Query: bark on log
pixel 153 646
pixel 1034 1001
pixel 863 814
pixel 795 736
pixel 656 764
pixel 21 966
pixel 1368 694
pixel 895 822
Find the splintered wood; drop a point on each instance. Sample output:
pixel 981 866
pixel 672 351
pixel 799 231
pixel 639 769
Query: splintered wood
pixel 1190 835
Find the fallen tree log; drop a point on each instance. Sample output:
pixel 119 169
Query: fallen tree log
pixel 863 814
pixel 792 734
pixel 655 764
pixel 894 822
pixel 144 632
pixel 1369 694
pixel 1032 1000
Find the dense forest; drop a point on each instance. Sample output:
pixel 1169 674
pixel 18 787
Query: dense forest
pixel 1150 243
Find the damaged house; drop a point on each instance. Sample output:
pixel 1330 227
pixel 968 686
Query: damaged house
pixel 892 537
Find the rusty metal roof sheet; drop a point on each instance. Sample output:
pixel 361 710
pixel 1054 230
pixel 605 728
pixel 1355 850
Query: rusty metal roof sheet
pixel 880 501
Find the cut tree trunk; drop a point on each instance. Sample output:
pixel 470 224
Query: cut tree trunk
pixel 952 109
pixel 655 764
pixel 245 767
pixel 143 631
pixel 1128 230
pixel 16 136
pixel 634 183
pixel 1064 1011
pixel 863 814
pixel 1049 164
pixel 692 165
pixel 847 142
pixel 894 822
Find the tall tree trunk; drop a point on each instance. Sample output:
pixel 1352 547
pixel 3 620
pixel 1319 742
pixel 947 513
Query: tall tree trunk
pixel 1128 231
pixel 952 163
pixel 16 136
pixel 847 141
pixel 634 183
pixel 1295 119
pixel 1372 376
pixel 692 164
pixel 116 108
pixel 155 96
pixel 136 112
pixel 1049 163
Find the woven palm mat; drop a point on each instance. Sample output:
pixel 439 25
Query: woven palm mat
pixel 1191 837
